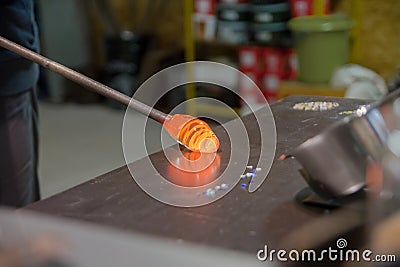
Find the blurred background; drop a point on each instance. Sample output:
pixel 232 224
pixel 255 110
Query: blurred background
pixel 343 48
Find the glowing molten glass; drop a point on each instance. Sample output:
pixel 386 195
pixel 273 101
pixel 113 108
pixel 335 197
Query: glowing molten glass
pixel 191 132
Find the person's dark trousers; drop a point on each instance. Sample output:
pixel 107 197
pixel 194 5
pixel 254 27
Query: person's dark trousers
pixel 19 183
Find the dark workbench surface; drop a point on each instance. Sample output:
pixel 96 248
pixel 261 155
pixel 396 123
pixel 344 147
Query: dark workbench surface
pixel 240 220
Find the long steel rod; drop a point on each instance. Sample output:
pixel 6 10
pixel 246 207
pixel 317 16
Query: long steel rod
pixel 83 80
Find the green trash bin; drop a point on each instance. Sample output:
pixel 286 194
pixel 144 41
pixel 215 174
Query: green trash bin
pixel 322 45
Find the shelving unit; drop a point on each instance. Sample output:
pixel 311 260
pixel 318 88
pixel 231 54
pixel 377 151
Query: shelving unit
pixel 190 90
pixel 191 44
pixel 210 47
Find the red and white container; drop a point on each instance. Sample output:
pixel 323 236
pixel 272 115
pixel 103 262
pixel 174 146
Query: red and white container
pixel 309 7
pixel 274 61
pixel 204 26
pixel 291 65
pixel 271 83
pixel 301 7
pixel 280 62
pixel 206 7
pixel 250 59
pixel 270 86
pixel 267 67
pixel 249 90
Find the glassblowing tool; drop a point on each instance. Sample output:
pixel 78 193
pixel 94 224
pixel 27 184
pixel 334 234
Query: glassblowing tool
pixel 193 133
pixel 343 159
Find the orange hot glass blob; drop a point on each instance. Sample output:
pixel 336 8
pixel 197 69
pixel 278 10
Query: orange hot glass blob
pixel 191 132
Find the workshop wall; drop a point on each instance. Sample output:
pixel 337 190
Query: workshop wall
pixel 61 21
pixel 90 23
pixel 160 18
pixel 375 36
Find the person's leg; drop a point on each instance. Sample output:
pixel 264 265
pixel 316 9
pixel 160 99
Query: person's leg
pixel 19 184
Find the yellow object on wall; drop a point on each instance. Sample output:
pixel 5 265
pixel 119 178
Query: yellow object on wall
pixel 375 36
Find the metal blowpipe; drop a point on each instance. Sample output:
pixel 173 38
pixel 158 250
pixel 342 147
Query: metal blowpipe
pixel 83 80
pixel 189 131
